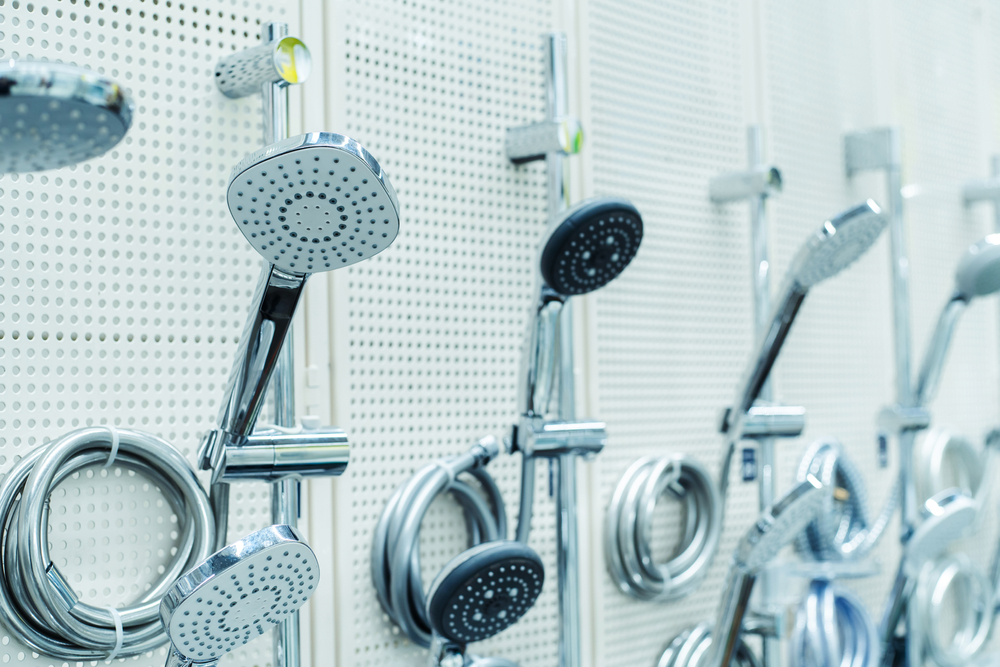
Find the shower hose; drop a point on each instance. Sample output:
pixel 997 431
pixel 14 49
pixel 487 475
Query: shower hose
pixel 628 527
pixel 843 530
pixel 395 559
pixel 690 647
pixel 832 629
pixel 37 603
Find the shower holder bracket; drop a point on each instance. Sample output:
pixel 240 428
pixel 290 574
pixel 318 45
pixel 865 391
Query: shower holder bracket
pixel 764 421
pixel 897 419
pixel 270 455
pixel 528 143
pixel 759 181
pixel 872 150
pixel 772 623
pixel 540 438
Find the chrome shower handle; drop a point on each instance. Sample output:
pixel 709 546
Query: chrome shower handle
pixel 275 298
pixel 540 363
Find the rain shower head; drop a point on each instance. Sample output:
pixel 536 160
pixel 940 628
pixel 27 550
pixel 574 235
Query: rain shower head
pixel 484 590
pixel 237 594
pixel 978 274
pixel 54 115
pixel 835 246
pixel 312 203
pixel 591 245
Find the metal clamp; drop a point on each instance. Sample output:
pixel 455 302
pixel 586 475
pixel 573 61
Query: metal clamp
pixel 897 419
pixel 272 455
pixel 528 143
pixel 878 148
pixel 766 421
pixel 549 439
pixel 758 181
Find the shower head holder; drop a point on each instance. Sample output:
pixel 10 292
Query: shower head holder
pixel 759 181
pixel 537 437
pixel 765 420
pixel 528 143
pixel 271 455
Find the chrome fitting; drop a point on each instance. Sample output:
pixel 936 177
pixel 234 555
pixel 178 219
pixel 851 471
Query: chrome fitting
pixel 872 149
pixel 760 181
pixel 528 143
pixel 766 421
pixel 984 190
pixel 539 438
pixel 896 419
pixel 283 61
pixel 271 455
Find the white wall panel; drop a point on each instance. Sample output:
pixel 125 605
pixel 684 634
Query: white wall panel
pixel 125 283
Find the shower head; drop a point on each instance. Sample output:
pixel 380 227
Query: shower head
pixel 237 594
pixel 311 203
pixel 315 202
pixel 484 590
pixel 835 246
pixel 590 245
pixel 978 274
pixel 945 517
pixel 777 526
pixel 54 115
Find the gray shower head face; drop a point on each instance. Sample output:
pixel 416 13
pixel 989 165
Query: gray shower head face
pixel 54 115
pixel 978 273
pixel 484 590
pixel 238 593
pixel 838 243
pixel 315 202
pixel 591 245
pixel 780 524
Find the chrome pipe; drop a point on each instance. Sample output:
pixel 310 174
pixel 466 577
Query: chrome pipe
pixel 937 350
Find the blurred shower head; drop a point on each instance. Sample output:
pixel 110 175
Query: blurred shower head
pixel 312 203
pixel 835 246
pixel 54 115
pixel 978 274
pixel 590 245
pixel 484 590
pixel 237 594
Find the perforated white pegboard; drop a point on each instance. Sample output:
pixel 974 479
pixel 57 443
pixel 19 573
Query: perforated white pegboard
pixel 429 359
pixel 125 282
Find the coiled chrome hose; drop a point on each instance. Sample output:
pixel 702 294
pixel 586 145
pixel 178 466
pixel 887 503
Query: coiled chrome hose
pixel 832 629
pixel 843 530
pixel 973 605
pixel 395 559
pixel 36 602
pixel 628 527
pixel 691 647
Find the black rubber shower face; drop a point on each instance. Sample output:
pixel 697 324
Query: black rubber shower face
pixel 485 590
pixel 592 244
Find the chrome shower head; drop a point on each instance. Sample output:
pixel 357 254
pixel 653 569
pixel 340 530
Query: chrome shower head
pixel 978 273
pixel 237 594
pixel 484 590
pixel 835 246
pixel 312 203
pixel 54 115
pixel 590 245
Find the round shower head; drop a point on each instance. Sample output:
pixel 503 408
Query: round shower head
pixel 238 593
pixel 484 590
pixel 978 273
pixel 780 524
pixel 591 244
pixel 312 203
pixel 53 115
pixel 837 244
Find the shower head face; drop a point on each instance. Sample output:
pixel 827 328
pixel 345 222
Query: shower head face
pixel 978 273
pixel 238 593
pixel 837 244
pixel 484 590
pixel 780 524
pixel 54 115
pixel 315 202
pixel 591 244
pixel 947 515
